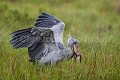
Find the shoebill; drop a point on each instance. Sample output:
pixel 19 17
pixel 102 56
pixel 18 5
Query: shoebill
pixel 45 41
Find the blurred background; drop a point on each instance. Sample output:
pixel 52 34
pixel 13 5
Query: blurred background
pixel 82 18
pixel 95 23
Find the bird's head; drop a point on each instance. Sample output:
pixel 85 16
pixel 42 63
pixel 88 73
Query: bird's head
pixel 48 21
pixel 73 43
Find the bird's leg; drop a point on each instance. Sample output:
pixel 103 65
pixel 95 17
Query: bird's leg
pixel 52 63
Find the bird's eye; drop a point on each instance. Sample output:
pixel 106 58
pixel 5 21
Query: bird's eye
pixel 74 42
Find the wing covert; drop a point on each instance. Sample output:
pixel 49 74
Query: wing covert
pixel 41 48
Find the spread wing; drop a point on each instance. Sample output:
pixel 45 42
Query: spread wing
pixel 46 21
pixel 38 40
pixel 43 45
pixel 42 20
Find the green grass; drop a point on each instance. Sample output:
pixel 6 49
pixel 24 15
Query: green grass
pixel 95 23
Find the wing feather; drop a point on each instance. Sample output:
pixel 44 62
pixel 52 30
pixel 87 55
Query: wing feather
pixel 35 39
pixel 40 49
pixel 39 40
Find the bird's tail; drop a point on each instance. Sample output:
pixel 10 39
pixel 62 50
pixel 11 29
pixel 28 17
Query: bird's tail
pixel 20 38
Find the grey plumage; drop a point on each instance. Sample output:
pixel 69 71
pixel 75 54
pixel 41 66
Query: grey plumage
pixel 71 41
pixel 44 41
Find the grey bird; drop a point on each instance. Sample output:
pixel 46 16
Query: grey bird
pixel 45 41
